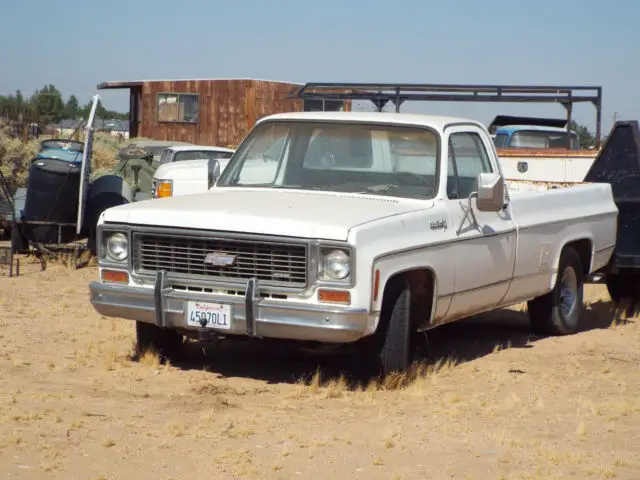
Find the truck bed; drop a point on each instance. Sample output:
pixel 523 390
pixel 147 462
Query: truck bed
pixel 546 165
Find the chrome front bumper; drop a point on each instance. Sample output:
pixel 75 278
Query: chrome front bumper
pixel 252 315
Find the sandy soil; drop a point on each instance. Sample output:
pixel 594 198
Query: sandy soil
pixel 497 403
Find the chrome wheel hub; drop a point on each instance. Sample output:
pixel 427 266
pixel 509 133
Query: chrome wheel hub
pixel 568 292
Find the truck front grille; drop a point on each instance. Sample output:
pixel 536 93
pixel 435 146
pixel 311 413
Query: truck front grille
pixel 271 263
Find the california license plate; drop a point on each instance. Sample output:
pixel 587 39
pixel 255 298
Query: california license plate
pixel 208 315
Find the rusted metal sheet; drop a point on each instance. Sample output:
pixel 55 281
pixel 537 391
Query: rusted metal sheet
pixel 517 185
pixel 228 109
pixel 546 152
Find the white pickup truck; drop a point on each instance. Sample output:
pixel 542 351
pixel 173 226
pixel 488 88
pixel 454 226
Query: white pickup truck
pixel 188 169
pixel 350 228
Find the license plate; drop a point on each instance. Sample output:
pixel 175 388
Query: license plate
pixel 209 315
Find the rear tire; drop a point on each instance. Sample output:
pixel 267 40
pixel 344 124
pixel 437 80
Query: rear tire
pixel 164 341
pixel 560 311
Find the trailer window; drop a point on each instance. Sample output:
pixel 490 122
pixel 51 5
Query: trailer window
pixel 178 107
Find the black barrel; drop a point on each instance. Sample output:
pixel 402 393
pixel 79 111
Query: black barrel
pixel 52 196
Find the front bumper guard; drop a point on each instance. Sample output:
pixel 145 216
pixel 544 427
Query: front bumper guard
pixel 252 315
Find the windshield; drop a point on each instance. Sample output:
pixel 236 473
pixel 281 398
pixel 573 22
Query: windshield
pixel 383 159
pixel 200 155
pixel 542 139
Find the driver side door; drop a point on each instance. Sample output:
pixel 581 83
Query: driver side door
pixel 484 248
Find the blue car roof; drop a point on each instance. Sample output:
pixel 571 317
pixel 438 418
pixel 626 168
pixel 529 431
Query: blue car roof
pixel 509 129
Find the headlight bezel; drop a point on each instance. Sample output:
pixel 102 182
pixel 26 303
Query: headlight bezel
pixel 103 234
pixel 324 249
pixel 117 240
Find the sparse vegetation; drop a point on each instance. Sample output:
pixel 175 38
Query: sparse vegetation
pixel 15 155
pixel 530 408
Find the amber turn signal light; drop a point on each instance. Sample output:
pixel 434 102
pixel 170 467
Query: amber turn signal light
pixel 115 276
pixel 334 296
pixel 164 189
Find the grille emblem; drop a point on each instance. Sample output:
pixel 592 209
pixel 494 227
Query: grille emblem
pixel 219 259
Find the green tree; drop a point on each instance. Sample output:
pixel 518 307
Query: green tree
pixel 102 112
pixel 71 108
pixel 49 104
pixel 585 137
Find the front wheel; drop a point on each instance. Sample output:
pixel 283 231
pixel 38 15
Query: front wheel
pixel 560 311
pixel 390 348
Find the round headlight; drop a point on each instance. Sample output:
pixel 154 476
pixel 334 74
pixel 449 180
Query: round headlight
pixel 337 264
pixel 118 246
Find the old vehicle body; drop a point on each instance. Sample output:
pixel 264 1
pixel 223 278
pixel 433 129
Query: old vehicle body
pixel 359 228
pixel 188 170
pixel 618 164
pixel 510 131
pixel 530 136
pixel 180 153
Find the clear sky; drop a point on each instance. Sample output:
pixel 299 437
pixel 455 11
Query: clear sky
pixel 77 44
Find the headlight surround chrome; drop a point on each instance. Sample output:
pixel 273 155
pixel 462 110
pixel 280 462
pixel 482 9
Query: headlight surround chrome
pixel 334 264
pixel 117 246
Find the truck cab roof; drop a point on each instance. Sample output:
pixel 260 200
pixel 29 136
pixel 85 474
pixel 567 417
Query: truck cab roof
pixel 436 122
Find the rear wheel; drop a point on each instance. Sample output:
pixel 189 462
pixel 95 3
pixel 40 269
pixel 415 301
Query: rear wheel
pixel 164 341
pixel 559 312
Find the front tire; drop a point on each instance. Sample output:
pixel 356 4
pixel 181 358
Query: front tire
pixel 389 349
pixel 560 311
pixel 164 341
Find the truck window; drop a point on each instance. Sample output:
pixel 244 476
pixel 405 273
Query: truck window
pixel 339 157
pixel 500 140
pixel 467 159
pixel 165 157
pixel 262 156
pixel 200 155
pixel 543 139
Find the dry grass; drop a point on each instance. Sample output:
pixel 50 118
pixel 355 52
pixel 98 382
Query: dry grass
pixel 494 403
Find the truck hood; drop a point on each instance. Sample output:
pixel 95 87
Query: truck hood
pixel 184 168
pixel 295 213
pixel 187 169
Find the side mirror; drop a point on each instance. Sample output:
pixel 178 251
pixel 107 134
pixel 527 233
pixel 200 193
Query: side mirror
pixel 490 192
pixel 213 171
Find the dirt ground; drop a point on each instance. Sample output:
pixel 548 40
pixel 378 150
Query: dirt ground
pixel 496 403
